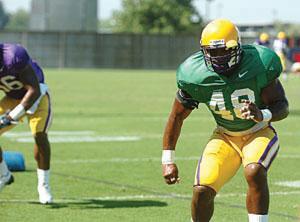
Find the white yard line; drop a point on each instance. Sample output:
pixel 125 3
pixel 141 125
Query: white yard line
pixel 92 136
pixel 295 184
pixel 71 137
pixel 144 159
pixel 82 139
pixel 140 197
pixel 51 133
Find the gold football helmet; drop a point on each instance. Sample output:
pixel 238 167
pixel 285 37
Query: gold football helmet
pixel 281 35
pixel 221 46
pixel 264 37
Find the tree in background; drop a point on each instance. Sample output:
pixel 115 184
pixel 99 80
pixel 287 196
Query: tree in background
pixel 18 20
pixel 157 16
pixel 4 18
pixel 106 25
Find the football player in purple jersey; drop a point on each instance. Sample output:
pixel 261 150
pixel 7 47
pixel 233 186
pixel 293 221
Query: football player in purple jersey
pixel 25 95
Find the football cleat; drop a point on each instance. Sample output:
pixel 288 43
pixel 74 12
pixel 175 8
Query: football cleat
pixel 6 180
pixel 45 196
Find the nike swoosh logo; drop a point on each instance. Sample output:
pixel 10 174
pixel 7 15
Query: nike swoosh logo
pixel 242 74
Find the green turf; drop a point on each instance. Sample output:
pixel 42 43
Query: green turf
pixel 101 185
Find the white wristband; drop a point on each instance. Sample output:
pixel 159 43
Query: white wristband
pixel 17 112
pixel 267 115
pixel 168 156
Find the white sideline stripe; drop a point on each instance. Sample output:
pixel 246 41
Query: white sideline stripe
pixel 87 132
pixel 133 197
pixel 76 139
pixel 156 159
pixel 295 183
pixel 91 136
pixel 51 133
pixel 70 137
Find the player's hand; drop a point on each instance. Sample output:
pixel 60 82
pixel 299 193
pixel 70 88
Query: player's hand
pixel 5 121
pixel 251 111
pixel 170 173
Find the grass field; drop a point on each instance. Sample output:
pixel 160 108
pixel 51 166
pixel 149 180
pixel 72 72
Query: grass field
pixel 106 152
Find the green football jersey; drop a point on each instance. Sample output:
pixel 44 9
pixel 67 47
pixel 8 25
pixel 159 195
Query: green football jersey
pixel 222 94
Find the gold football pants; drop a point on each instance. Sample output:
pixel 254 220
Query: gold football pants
pixel 224 154
pixel 39 121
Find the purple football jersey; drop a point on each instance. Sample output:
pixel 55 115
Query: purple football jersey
pixel 14 58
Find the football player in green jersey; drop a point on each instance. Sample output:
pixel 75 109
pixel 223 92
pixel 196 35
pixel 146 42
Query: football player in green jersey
pixel 240 86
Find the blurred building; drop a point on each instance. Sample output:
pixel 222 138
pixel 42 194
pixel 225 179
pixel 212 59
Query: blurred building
pixel 63 15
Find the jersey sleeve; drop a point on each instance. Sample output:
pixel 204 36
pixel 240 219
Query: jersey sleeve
pixel 179 74
pixel 186 100
pixel 185 90
pixel 20 59
pixel 273 71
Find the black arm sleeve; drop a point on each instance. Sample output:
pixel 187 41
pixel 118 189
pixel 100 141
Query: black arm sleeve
pixel 186 100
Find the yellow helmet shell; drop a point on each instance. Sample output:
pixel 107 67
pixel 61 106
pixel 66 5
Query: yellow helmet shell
pixel 281 35
pixel 264 37
pixel 220 32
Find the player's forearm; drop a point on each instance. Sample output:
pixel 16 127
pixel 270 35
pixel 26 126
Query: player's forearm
pixel 279 110
pixel 30 97
pixel 174 124
pixel 172 132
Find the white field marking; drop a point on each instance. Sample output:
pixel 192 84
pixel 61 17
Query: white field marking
pixel 144 159
pixel 70 137
pixel 83 139
pixel 146 135
pixel 87 133
pixel 91 136
pixel 143 197
pixel 295 183
pixel 151 118
pixel 51 133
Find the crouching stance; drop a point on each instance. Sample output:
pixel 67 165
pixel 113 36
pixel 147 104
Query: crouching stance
pixel 240 86
pixel 26 95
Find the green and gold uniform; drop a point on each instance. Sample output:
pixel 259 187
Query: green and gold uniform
pixel 235 140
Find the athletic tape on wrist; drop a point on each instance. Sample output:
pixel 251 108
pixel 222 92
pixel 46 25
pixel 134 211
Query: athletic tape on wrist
pixel 17 112
pixel 267 115
pixel 168 156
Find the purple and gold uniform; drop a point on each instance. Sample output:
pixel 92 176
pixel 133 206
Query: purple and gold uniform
pixel 14 60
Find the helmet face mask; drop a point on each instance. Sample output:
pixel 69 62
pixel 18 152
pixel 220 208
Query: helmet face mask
pixel 221 46
pixel 221 59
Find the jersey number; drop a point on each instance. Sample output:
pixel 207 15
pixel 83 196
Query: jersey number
pixel 217 103
pixel 8 83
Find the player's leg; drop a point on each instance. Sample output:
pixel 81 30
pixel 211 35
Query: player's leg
pixel 218 164
pixel 42 151
pixel 202 206
pixel 259 152
pixel 39 123
pixel 6 177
